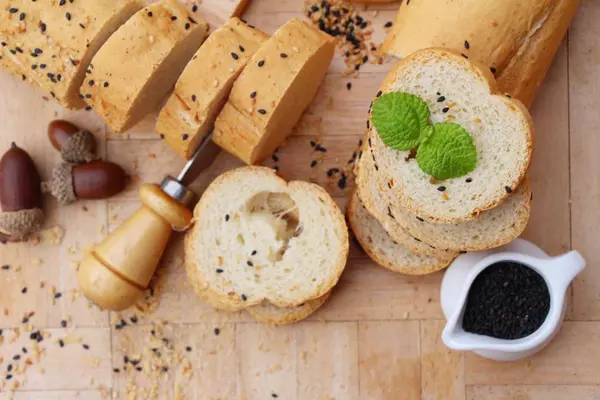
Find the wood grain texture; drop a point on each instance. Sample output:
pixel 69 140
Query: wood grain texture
pixel 532 392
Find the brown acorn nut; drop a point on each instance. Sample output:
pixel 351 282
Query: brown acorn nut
pixel 20 196
pixel 92 181
pixel 75 145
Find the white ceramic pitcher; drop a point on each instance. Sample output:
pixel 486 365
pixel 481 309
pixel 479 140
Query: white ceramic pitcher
pixel 558 273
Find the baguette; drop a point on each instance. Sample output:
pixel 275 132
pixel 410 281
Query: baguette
pixel 271 314
pixel 493 228
pixel 140 63
pixel 378 245
pixel 203 88
pixel 258 238
pixel 516 39
pixel 273 91
pixel 461 92
pixel 51 45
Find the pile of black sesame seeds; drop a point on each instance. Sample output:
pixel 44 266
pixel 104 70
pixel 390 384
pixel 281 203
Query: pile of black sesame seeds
pixel 351 31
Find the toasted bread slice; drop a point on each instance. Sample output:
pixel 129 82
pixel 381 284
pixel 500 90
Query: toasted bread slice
pixel 271 314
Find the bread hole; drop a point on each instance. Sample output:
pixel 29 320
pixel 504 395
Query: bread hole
pixel 280 212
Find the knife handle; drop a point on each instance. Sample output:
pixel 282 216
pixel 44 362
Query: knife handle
pixel 115 274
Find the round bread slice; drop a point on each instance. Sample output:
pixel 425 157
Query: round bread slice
pixel 376 242
pixel 267 312
pixel 368 193
pixel 493 228
pixel 460 92
pixel 258 238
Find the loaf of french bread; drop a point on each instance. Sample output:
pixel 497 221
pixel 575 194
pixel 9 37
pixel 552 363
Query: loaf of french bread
pixel 203 88
pixel 515 39
pixel 273 91
pixel 51 44
pixel 138 66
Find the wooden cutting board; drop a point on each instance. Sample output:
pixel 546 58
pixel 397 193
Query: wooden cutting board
pixel 379 335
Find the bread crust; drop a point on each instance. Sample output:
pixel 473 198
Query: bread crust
pixel 484 76
pixel 518 39
pixel 270 314
pixel 227 302
pixel 392 264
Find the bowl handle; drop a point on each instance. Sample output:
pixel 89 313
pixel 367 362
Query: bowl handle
pixel 563 269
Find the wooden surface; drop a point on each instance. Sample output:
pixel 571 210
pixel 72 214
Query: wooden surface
pixel 379 335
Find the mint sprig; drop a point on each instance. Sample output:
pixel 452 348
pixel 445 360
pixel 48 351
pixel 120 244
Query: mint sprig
pixel 400 119
pixel 444 150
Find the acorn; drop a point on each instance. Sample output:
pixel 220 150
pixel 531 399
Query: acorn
pixel 76 146
pixel 20 196
pixel 93 181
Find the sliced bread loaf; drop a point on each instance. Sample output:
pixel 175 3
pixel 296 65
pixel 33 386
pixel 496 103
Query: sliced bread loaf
pixel 52 44
pixel 368 193
pixel 376 242
pixel 460 92
pixel 257 238
pixel 273 91
pixel 490 229
pixel 203 88
pixel 267 312
pixel 136 68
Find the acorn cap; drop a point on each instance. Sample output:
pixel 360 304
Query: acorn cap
pixel 18 225
pixel 79 148
pixel 61 185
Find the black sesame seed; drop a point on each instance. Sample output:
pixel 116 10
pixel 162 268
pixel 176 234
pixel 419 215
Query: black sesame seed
pixel 43 66
pixel 379 93
pixel 150 13
pixel 253 252
pixel 217 331
pixel 91 82
pixel 420 219
pixel 441 99
pixel 195 8
pixel 252 95
pixel 6 267
pixel 320 148
pixel 187 26
pixel 106 84
pixel 173 18
pixel 467 45
pixel 24 290
pixel 188 348
pixel 17 357
pixel 469 180
pixel 219 271
pixel 349 85
pixel 342 181
pixel 445 109
pixel 68 15
pixel 313 163
pixel 244 297
pixel 9 377
pixel 274 395
pixel 63 323
pixel 250 263
pixel 262 111
pixel 57 295
pixel 261 63
pixel 62 2
pixel 185 136
pixel 368 124
pixel 21 16
pixel 13 10
pixel 138 369
pixel 464 55
pixel 275 158
pixel 388 24
pixel 43 27
pixel 20 50
pixel 493 70
pixel 193 97
pixel 88 108
pixel 234 56
pixel 134 319
pixel 86 346
pixel 441 189
pixel 283 55
pixel 242 49
pixel 227 218
pixel 24 350
pixel 9 367
pixel 82 26
pixel 508 189
pixel 116 370
pixel 162 136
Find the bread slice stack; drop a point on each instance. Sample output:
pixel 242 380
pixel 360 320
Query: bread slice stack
pixel 404 206
pixel 260 244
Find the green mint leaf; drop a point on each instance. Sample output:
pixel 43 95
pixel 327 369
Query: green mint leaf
pixel 400 119
pixel 448 152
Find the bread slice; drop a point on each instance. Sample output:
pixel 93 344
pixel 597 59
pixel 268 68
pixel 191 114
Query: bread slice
pixel 137 67
pixel 218 12
pixel 203 88
pixel 490 229
pixel 515 39
pixel 257 238
pixel 376 242
pixel 267 312
pixel 52 45
pixel 273 91
pixel 460 92
pixel 368 193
